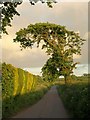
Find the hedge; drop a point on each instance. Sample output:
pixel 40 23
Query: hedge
pixel 15 83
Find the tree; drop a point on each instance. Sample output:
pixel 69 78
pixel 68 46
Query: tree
pixel 8 10
pixel 49 70
pixel 59 42
pixel 86 74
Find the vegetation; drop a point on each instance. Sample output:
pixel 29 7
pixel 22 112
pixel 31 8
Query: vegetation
pixel 58 42
pixel 0 71
pixel 19 89
pixel 75 97
pixel 0 91
pixel 8 11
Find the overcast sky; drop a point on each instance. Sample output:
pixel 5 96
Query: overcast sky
pixel 73 15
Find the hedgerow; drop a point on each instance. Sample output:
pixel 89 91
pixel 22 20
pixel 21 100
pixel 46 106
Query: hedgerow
pixel 17 84
pixel 75 99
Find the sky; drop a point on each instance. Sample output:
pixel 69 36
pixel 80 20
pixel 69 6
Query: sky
pixel 71 13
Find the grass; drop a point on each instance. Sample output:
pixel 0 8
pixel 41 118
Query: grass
pixel 21 102
pixel 0 101
pixel 75 97
pixel 20 89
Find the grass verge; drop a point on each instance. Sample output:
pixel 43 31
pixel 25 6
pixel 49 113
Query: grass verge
pixel 21 102
pixel 75 98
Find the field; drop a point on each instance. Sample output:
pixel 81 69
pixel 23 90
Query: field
pixel 75 97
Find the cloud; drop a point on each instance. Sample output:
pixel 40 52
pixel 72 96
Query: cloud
pixel 81 69
pixel 72 15
pixel 67 14
pixel 72 0
pixel 76 57
pixel 26 58
pixel 86 35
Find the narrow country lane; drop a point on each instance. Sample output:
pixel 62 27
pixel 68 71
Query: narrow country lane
pixel 50 106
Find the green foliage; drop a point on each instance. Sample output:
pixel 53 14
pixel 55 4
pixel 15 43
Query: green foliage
pixel 86 75
pixel 49 70
pixel 49 2
pixel 19 89
pixel 7 86
pixel 25 72
pixel 83 78
pixel 20 80
pixel 75 98
pixel 14 84
pixel 8 11
pixel 7 80
pixel 58 42
pixel 74 77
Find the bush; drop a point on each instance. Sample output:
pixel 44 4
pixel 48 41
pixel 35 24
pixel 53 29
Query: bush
pixel 15 82
pixel 75 98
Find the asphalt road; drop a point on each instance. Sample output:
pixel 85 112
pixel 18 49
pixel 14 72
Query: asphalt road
pixel 50 106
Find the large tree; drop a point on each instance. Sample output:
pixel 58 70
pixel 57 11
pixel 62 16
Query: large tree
pixel 8 8
pixel 59 42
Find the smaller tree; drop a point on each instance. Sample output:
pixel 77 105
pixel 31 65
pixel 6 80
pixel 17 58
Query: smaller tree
pixel 86 74
pixel 74 77
pixel 49 70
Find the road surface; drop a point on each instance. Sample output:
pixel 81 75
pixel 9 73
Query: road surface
pixel 50 106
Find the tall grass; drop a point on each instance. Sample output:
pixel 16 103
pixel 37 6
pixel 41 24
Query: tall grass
pixel 75 97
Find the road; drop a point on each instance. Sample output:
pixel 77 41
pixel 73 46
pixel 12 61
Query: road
pixel 50 106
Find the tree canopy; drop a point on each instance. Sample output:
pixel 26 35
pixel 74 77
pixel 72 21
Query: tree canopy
pixel 7 13
pixel 8 10
pixel 59 42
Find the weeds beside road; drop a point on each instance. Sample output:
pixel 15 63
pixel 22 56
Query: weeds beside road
pixel 75 98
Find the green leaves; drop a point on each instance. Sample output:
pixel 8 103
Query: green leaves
pixel 19 89
pixel 8 10
pixel 58 42
pixel 75 94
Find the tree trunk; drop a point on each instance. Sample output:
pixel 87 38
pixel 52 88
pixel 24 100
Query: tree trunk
pixel 65 79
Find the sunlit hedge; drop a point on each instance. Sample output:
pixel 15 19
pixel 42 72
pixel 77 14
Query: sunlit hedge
pixel 16 83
